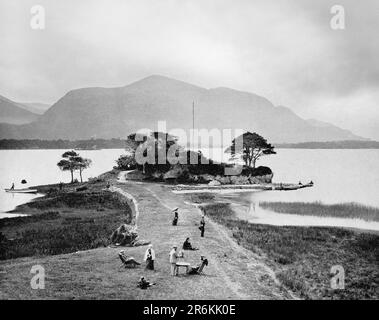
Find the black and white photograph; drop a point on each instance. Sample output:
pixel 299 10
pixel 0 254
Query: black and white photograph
pixel 195 153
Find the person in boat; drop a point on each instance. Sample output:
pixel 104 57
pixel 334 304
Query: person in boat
pixel 144 284
pixel 176 217
pixel 149 257
pixel 311 183
pixel 12 187
pixel 188 246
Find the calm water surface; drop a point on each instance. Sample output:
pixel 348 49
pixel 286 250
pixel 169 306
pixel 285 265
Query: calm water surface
pixel 339 175
pixel 40 167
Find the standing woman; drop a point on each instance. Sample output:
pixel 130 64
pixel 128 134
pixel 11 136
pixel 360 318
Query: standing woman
pixel 176 217
pixel 149 257
pixel 202 226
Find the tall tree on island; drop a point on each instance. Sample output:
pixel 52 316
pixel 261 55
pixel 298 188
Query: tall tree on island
pixel 72 161
pixel 253 147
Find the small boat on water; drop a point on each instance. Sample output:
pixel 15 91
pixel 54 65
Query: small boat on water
pixel 26 190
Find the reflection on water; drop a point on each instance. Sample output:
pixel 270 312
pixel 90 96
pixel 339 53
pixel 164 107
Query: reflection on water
pixel 256 214
pixel 247 208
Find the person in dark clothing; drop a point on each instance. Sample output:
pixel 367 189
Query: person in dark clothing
pixel 188 246
pixel 150 257
pixel 199 268
pixel 202 226
pixel 12 187
pixel 176 217
pixel 144 284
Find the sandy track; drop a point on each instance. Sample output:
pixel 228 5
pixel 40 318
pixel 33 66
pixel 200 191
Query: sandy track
pixel 244 274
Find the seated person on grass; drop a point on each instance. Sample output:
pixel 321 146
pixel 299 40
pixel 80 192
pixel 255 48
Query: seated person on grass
pixel 188 246
pixel 144 284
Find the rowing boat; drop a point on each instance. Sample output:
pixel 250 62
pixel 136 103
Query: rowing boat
pixel 21 190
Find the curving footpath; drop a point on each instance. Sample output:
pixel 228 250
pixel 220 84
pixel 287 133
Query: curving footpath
pixel 234 272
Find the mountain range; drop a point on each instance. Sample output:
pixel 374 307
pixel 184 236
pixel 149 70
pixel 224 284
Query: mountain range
pixel 116 112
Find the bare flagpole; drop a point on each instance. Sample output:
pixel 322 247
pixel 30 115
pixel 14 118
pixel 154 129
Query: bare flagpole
pixel 193 122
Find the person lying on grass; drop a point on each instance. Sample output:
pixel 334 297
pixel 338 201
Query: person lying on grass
pixel 188 246
pixel 144 284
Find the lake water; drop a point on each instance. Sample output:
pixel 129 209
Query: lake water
pixel 338 175
pixel 40 167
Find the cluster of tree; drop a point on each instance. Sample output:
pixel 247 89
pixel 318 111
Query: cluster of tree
pixel 72 162
pixel 154 149
pixel 91 144
pixel 249 147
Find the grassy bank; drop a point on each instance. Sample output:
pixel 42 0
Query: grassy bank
pixel 344 210
pixel 303 256
pixel 63 221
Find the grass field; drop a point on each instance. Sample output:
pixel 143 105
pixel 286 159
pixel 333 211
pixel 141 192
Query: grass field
pixel 344 210
pixel 303 256
pixel 63 221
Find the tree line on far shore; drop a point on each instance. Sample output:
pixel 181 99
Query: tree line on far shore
pixel 89 144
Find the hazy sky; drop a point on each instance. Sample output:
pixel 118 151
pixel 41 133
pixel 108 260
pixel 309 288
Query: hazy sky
pixel 284 50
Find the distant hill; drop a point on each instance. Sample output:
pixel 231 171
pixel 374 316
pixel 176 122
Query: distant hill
pixel 34 107
pixel 12 113
pixel 94 144
pixel 116 112
pixel 91 144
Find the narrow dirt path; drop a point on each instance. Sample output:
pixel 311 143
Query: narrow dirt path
pixel 242 273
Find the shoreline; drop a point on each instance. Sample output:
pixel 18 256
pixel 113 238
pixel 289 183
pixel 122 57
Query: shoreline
pixel 258 275
pixel 222 279
pixel 273 218
pixel 303 255
pixel 78 217
pixel 234 188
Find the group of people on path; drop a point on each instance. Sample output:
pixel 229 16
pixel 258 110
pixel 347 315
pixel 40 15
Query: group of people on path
pixel 174 255
pixel 149 257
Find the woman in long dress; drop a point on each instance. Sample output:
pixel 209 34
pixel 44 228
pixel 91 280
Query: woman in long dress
pixel 149 257
pixel 176 217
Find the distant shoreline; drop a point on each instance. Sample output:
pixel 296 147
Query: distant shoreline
pixel 98 144
pixel 330 145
